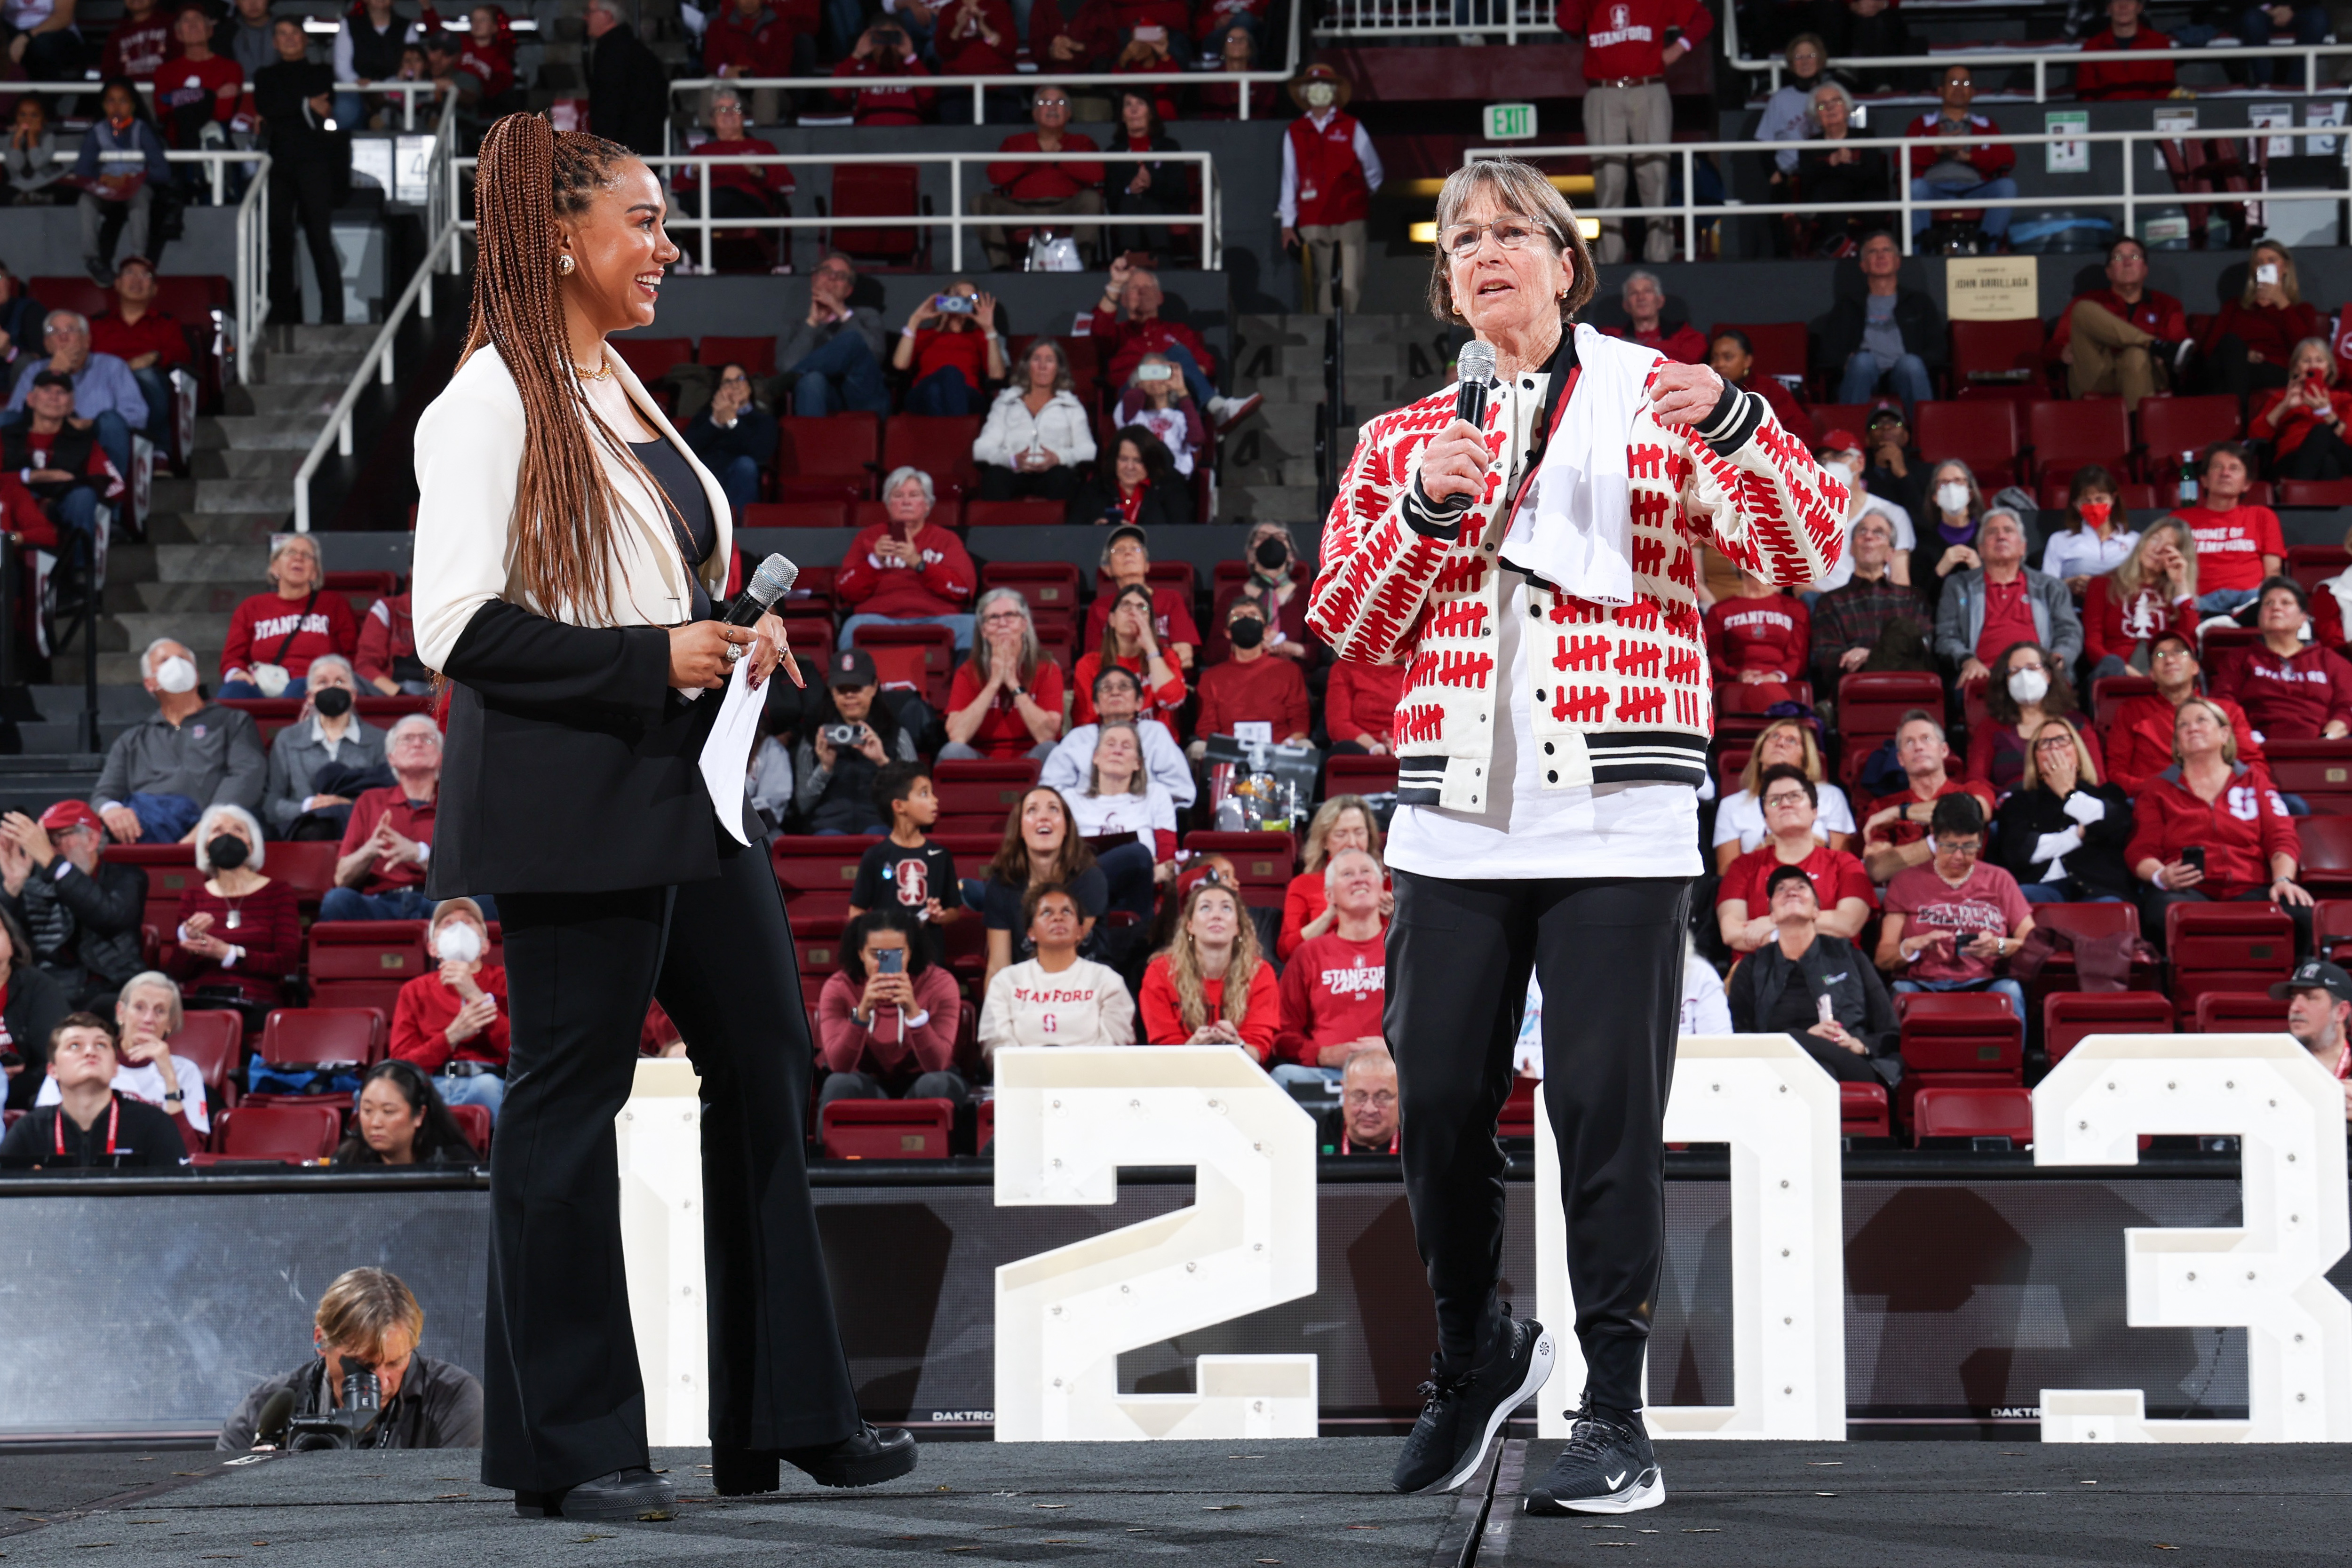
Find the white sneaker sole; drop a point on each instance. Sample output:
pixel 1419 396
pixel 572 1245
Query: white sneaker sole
pixel 1538 1373
pixel 1649 1493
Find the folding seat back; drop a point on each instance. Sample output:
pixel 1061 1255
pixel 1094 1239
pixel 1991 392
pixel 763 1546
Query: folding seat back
pixel 363 964
pixel 1047 586
pixel 911 664
pixel 323 1038
pixel 2169 426
pixel 2331 929
pixel 2227 947
pixel 1520 1110
pixel 2240 1013
pixel 2312 564
pixel 170 871
pixel 651 358
pixel 797 514
pixel 2326 863
pixel 305 865
pixel 1959 1031
pixel 1344 775
pixel 2077 433
pixel 1998 353
pixel 474 1121
pixel 2069 1017
pixel 1974 1112
pixel 829 459
pixel 298 1134
pixel 212 1040
pixel 756 355
pixel 1013 513
pixel 1981 433
pixel 1862 1110
pixel 980 796
pixel 887 1128
pixel 1261 859
pixel 2315 493
pixel 2318 771
pixel 946 513
pixel 938 443
pixel 817 872
pixel 816 942
pixel 877 190
pixel 269 714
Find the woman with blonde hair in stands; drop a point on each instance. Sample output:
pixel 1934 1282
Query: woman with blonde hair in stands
pixel 2152 593
pixel 1342 822
pixel 146 1015
pixel 1212 986
pixel 2062 835
pixel 2248 344
pixel 1739 818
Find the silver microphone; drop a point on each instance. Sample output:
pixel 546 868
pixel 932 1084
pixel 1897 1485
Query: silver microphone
pixel 770 583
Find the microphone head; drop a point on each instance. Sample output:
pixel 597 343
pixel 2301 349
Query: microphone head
pixel 1475 363
pixel 773 579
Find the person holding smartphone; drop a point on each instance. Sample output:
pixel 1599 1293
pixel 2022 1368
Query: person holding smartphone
pixel 2249 341
pixel 2211 828
pixel 950 345
pixel 2303 421
pixel 887 1018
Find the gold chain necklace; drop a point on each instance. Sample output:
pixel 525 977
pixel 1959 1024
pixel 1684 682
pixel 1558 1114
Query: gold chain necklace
pixel 602 373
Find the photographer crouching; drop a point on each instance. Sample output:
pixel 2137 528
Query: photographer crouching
pixel 369 1386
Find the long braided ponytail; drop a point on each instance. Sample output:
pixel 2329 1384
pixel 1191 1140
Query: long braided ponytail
pixel 531 174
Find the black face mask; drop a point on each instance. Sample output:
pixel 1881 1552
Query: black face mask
pixel 331 700
pixel 227 851
pixel 1247 632
pixel 1272 554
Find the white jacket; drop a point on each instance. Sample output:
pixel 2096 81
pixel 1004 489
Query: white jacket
pixel 1062 429
pixel 469 445
pixel 1086 1005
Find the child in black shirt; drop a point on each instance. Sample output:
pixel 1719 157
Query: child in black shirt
pixel 907 869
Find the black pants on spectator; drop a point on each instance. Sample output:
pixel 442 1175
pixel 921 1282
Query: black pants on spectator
pixel 1610 954
pixel 2322 456
pixel 866 1086
pixel 2227 369
pixel 1836 1060
pixel 2155 900
pixel 1059 482
pixel 562 1399
pixel 303 192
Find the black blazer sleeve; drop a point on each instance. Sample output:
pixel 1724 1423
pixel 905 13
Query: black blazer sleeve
pixel 110 901
pixel 512 657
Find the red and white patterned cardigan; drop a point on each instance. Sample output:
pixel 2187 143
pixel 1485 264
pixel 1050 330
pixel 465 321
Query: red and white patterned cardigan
pixel 1618 695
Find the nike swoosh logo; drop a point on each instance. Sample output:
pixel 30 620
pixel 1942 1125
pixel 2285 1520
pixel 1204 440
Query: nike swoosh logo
pixel 1616 1480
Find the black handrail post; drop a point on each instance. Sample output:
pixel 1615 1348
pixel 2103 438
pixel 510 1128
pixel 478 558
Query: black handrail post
pixel 89 738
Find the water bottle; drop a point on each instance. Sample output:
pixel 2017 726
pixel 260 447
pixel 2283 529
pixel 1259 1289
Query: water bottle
pixel 2187 478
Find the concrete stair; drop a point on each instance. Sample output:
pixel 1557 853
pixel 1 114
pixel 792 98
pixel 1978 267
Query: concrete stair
pixel 1269 462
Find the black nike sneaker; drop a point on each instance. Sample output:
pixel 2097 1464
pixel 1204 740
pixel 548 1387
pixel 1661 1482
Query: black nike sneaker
pixel 1462 1411
pixel 1607 1467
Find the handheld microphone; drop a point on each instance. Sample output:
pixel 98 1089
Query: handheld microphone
pixel 1477 364
pixel 271 1427
pixel 770 583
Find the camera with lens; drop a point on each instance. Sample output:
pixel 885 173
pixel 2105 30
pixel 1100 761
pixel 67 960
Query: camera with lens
pixel 348 1426
pixel 843 735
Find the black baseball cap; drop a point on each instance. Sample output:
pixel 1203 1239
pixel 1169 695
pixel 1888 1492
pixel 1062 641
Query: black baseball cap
pixel 1885 410
pixel 54 378
pixel 852 666
pixel 1787 873
pixel 2315 975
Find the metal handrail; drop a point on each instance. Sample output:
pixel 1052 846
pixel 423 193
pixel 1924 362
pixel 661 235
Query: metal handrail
pixel 248 296
pixel 1901 198
pixel 1211 216
pixel 417 295
pixel 1443 17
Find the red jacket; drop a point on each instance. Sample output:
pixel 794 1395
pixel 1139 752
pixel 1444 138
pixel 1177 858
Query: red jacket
pixel 492 64
pixel 887 105
pixel 1990 159
pixel 138 49
pixel 157 332
pixel 2127 78
pixel 422 1017
pixel 1129 341
pixel 872 586
pixel 2290 428
pixel 387 634
pixel 2110 626
pixel 2240 829
pixel 1626 39
pixel 968 52
pixel 761 46
pixel 1163 1012
pixel 1361 699
pixel 2270 331
pixel 1772 633
pixel 1265 688
pixel 2155 312
pixel 2139 739
pixel 2290 699
pixel 23 516
pixel 258 629
pixel 758 181
pixel 1046 182
pixel 1332 186
pixel 1684 342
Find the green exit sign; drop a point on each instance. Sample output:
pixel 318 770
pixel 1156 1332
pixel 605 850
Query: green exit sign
pixel 1510 122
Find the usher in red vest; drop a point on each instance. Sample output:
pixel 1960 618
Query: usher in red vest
pixel 1331 188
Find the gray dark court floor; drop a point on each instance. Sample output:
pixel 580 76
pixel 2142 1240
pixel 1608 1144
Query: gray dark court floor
pixel 1943 1505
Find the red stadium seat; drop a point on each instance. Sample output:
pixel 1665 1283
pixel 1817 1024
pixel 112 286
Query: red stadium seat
pixel 2318 771
pixel 170 871
pixel 1998 353
pixel 1348 774
pixel 1983 434
pixel 474 1121
pixel 1729 763
pixel 817 872
pixel 362 589
pixel 298 1134
pixel 2312 564
pixel 2068 1017
pixel 2314 492
pixel 816 942
pixel 832 458
pixel 1013 515
pixel 1870 704
pixel 2079 921
pixel 651 357
pixel 1780 347
pixel 269 714
pixel 756 355
pixel 2325 862
pixel 1262 859
pixel 797 514
pixel 887 1128
pixel 1969 1040
pixel 363 964
pixel 875 190
pixel 1046 584
pixel 933 648
pixel 2228 947
pixel 2077 435
pixel 212 1040
pixel 2169 426
pixel 323 1037
pixel 1733 699
pixel 1853 418
pixel 307 866
pixel 2331 929
pixel 1520 1110
pixel 986 1127
pixel 2240 1013
pixel 938 443
pixel 1862 1110
pixel 65 292
pixel 978 796
pixel 2110 692
pixel 1952 1112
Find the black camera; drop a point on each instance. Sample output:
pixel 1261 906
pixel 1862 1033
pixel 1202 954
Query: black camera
pixel 351 1425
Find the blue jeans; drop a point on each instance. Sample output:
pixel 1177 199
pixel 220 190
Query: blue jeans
pixel 114 437
pixel 1996 219
pixel 163 818
pixel 77 513
pixel 1196 382
pixel 487 1090
pixel 869 831
pixel 1908 374
pixel 944 391
pixel 398 904
pixel 2225 600
pixel 2002 987
pixel 842 375
pixel 739 478
pixel 156 388
pixel 959 624
pixel 2309 26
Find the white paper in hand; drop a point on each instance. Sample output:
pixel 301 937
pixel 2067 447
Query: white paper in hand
pixel 727 754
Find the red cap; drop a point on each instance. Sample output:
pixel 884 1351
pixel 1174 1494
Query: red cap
pixel 70 814
pixel 1195 874
pixel 1841 441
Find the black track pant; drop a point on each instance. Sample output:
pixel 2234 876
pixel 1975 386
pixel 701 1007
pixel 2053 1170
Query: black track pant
pixel 1609 955
pixel 562 1399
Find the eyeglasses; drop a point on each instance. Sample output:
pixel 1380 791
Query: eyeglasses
pixel 1785 798
pixel 1052 103
pixel 1510 233
pixel 1002 618
pixel 2169 653
pixel 2054 743
pixel 1383 1098
pixel 1967 851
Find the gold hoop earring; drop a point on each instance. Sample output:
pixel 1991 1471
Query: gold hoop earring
pixel 563 265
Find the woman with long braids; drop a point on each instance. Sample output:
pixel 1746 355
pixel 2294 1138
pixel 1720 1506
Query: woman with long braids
pixel 568 546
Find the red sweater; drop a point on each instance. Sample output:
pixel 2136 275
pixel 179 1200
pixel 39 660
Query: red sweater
pixel 1628 37
pixel 138 49
pixel 870 586
pixel 258 632
pixel 411 819
pixel 1990 159
pixel 758 181
pixel 157 332
pixel 2288 428
pixel 1899 831
pixel 1163 1014
pixel 421 1020
pixel 889 1050
pixel 1046 182
pixel 386 634
pixel 1130 340
pixel 270 928
pixel 895 101
pixel 1264 688
pixel 1772 633
pixel 965 51
pixel 2241 829
pixel 1684 342
pixel 2126 78
pixel 2270 330
pixel 1172 615
pixel 2153 313
pixel 1361 699
pixel 2139 739
pixel 2290 699
pixel 761 46
pixel 2112 627
pixel 1332 992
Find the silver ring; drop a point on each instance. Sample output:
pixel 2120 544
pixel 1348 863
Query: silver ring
pixel 734 652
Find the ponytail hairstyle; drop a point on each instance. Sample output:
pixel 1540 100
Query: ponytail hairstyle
pixel 532 175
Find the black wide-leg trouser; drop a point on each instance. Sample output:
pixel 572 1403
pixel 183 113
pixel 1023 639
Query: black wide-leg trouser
pixel 564 1401
pixel 1608 954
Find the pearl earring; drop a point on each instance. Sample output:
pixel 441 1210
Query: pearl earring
pixel 563 265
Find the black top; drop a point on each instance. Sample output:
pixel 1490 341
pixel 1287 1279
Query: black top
pixel 144 1139
pixel 754 435
pixel 2100 864
pixel 696 534
pixel 35 1005
pixel 282 94
pixel 1000 911
pixel 1165 505
pixel 908 878
pixel 439 1406
pixel 627 100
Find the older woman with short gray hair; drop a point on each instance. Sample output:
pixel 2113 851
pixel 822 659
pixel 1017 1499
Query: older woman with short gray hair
pixel 904 571
pixel 1007 698
pixel 273 636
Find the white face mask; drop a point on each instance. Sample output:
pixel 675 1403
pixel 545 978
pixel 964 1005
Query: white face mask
pixel 2027 685
pixel 176 675
pixel 1319 94
pixel 458 942
pixel 1952 496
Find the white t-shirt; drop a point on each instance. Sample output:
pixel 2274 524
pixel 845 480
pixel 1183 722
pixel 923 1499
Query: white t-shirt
pixel 1154 811
pixel 1741 816
pixel 1526 831
pixel 144 1081
pixel 1086 1005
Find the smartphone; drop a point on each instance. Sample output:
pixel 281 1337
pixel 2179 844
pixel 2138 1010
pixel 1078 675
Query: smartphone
pixel 898 530
pixel 2267 272
pixel 952 304
pixel 890 960
pixel 2194 856
pixel 1152 35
